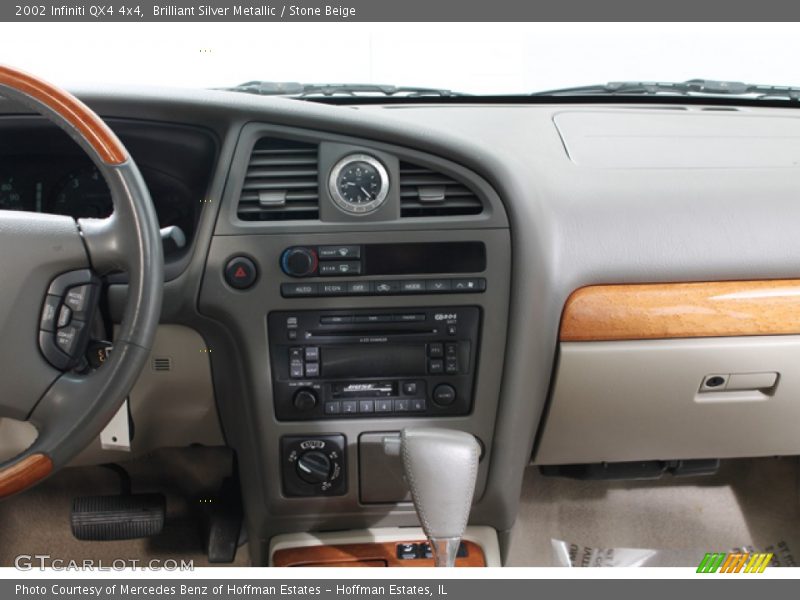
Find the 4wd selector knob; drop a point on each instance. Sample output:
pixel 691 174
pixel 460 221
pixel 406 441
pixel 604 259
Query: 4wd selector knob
pixel 313 467
pixel 305 399
pixel 299 261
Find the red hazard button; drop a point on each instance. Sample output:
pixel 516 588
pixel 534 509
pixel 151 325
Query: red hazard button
pixel 241 272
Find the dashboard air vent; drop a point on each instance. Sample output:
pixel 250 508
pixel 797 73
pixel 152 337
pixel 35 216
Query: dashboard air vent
pixel 281 182
pixel 427 193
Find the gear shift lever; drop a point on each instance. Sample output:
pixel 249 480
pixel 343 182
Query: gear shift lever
pixel 441 467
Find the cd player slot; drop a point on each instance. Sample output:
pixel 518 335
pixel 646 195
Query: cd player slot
pixel 358 333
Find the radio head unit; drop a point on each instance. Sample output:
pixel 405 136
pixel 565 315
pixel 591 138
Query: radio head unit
pixel 373 362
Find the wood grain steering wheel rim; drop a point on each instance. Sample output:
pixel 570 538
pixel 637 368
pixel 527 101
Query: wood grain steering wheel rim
pixel 70 409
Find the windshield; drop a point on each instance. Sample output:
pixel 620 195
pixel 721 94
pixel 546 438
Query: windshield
pixel 474 58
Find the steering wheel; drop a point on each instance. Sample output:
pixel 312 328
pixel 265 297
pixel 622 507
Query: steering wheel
pixel 50 268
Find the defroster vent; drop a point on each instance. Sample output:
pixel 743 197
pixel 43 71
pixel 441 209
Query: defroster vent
pixel 428 193
pixel 281 182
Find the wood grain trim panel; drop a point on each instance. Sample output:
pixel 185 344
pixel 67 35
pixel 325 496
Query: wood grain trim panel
pixel 23 474
pixel 365 555
pixel 682 310
pixel 80 116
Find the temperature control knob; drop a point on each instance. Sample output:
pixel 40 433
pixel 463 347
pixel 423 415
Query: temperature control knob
pixel 313 467
pixel 299 261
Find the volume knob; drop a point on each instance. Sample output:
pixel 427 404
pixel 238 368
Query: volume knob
pixel 299 261
pixel 305 399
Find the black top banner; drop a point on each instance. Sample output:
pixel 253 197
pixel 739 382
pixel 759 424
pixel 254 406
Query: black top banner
pixel 401 11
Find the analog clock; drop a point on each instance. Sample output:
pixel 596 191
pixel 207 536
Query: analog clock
pixel 359 184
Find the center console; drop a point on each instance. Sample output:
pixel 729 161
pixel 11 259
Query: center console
pixel 327 336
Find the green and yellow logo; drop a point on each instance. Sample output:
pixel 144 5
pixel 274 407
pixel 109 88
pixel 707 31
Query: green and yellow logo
pixel 735 562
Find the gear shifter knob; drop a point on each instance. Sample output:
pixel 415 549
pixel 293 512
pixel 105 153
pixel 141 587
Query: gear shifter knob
pixel 441 467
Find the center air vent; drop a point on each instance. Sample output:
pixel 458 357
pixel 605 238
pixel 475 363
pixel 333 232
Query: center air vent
pixel 281 182
pixel 427 193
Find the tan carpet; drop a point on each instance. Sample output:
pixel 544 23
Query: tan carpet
pixel 37 522
pixel 748 503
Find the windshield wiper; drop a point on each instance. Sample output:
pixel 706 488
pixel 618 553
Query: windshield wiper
pixel 306 90
pixel 701 87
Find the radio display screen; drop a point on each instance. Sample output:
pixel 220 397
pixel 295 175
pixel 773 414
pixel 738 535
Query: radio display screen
pixel 424 258
pixel 375 360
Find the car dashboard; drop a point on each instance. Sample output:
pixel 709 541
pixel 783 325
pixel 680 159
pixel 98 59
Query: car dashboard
pixel 499 269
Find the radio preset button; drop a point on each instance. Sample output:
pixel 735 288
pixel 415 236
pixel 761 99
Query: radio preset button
pixel 349 407
pixel 402 405
pixel 383 406
pixel 339 252
pixel 418 404
pixel 332 408
pixel 366 406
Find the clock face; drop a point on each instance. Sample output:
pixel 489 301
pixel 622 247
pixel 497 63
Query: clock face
pixel 359 184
